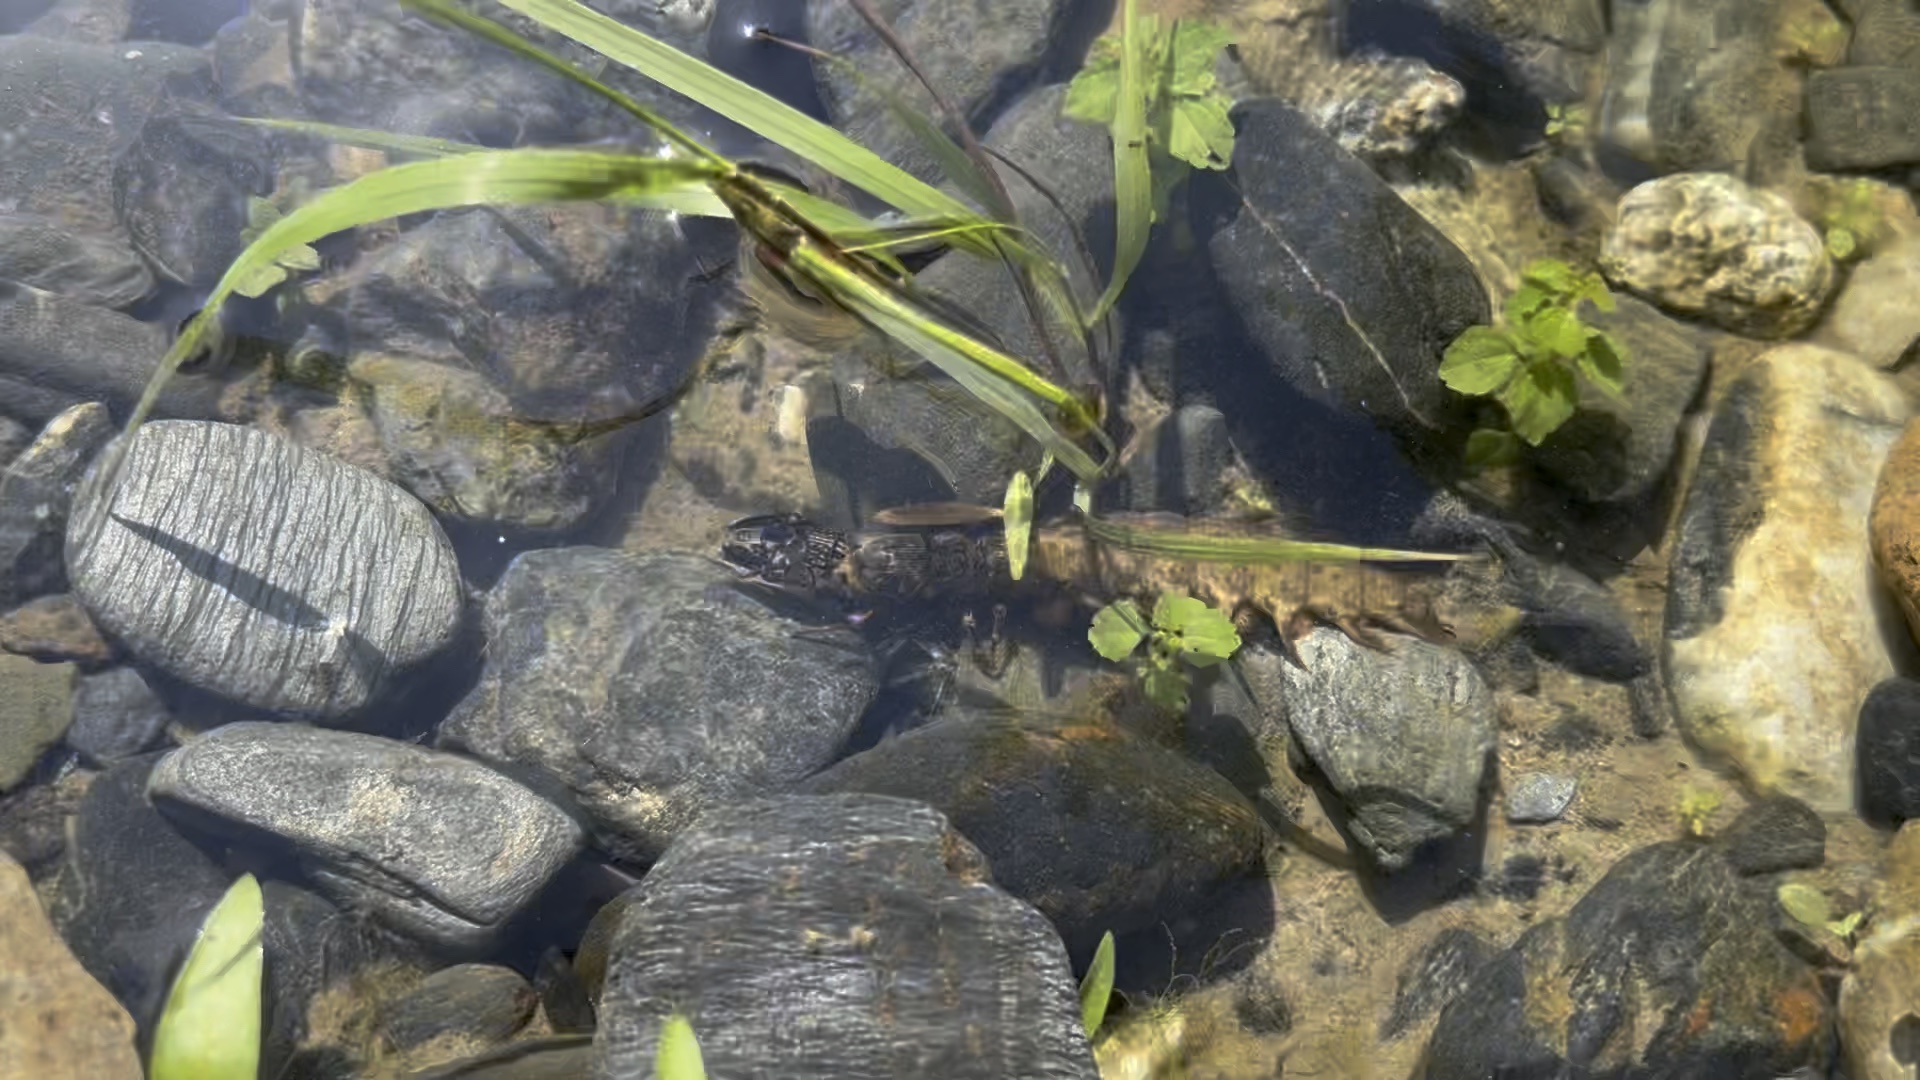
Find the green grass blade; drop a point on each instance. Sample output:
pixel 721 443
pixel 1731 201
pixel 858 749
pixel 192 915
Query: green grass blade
pixel 745 105
pixel 370 138
pixel 210 1029
pixel 1132 173
pixel 495 177
pixel 1096 988
pixel 1246 550
pixel 679 1055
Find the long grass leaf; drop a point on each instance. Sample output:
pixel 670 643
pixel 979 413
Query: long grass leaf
pixel 1246 550
pixel 1132 172
pixel 495 177
pixel 210 1029
pixel 748 106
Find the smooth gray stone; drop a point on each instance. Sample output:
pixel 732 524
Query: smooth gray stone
pixel 56 352
pixel 262 571
pixel 40 251
pixel 115 716
pixel 433 844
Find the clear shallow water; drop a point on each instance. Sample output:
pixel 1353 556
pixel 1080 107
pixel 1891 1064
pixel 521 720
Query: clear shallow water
pixel 528 722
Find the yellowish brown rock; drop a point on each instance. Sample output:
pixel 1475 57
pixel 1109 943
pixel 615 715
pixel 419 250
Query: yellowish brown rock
pixel 1895 525
pixel 58 1021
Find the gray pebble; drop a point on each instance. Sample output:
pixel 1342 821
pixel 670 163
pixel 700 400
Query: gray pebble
pixel 1539 797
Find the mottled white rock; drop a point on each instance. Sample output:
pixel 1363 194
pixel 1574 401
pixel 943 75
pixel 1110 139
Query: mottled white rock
pixel 262 571
pixel 1707 245
pixel 1880 998
pixel 1776 627
pixel 1877 316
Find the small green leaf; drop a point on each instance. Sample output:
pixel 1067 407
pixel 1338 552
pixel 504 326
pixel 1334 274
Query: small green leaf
pixel 679 1055
pixel 1017 513
pixel 1539 401
pixel 1208 637
pixel 1804 902
pixel 1200 132
pixel 1554 276
pixel 1844 927
pixel 1174 612
pixel 1558 331
pixel 1528 299
pixel 1117 630
pixel 1092 93
pixel 1840 243
pixel 1490 448
pixel 1166 687
pixel 1602 364
pixel 1195 44
pixel 1480 361
pixel 1596 291
pixel 258 279
pixel 1096 987
pixel 210 1029
pixel 302 257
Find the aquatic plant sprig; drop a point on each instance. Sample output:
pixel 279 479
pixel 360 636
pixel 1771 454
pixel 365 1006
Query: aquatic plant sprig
pixel 1183 631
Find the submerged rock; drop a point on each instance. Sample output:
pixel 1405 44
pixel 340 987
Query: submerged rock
pixel 267 573
pixel 1098 828
pixel 1366 333
pixel 59 1021
pixel 433 844
pixel 39 251
pixel 36 493
pixel 1773 621
pixel 893 953
pixel 1707 245
pixel 1879 1023
pixel 653 690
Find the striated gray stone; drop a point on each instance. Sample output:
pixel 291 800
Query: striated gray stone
pixel 1709 246
pixel 1402 737
pixel 433 844
pixel 1774 627
pixel 893 952
pixel 254 568
pixel 652 689
pixel 1364 333
pixel 115 716
pixel 39 251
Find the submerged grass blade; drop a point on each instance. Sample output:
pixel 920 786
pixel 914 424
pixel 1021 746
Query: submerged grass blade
pixel 1132 172
pixel 1246 550
pixel 210 1029
pixel 494 177
pixel 745 105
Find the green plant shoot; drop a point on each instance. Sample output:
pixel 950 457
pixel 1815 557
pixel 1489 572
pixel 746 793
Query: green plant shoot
pixel 1017 512
pixel 210 1029
pixel 1528 362
pixel 261 216
pixel 1096 987
pixel 679 1055
pixel 1182 630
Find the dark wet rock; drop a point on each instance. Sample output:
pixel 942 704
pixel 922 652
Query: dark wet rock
pixel 273 575
pixel 39 251
pixel 1098 828
pixel 969 447
pixel 976 53
pixel 70 109
pixel 1885 33
pixel 56 628
pixel 1863 117
pixel 33 821
pixel 1180 465
pixel 1887 744
pixel 115 715
pixel 99 22
pixel 1775 833
pixel 36 704
pixel 16 16
pixel 253 66
pixel 189 22
pixel 1434 978
pixel 14 438
pixel 181 189
pixel 590 959
pixel 1402 737
pixel 36 492
pixel 56 352
pixel 1709 246
pixel 60 1022
pixel 132 892
pixel 1535 798
pixel 1708 85
pixel 551 1057
pixel 1367 334
pixel 1774 633
pixel 1650 705
pixel 1574 621
pixel 1668 966
pixel 894 953
pixel 484 1003
pixel 653 689
pixel 1512 54
pixel 478 846
pixel 563 994
pixel 1612 450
